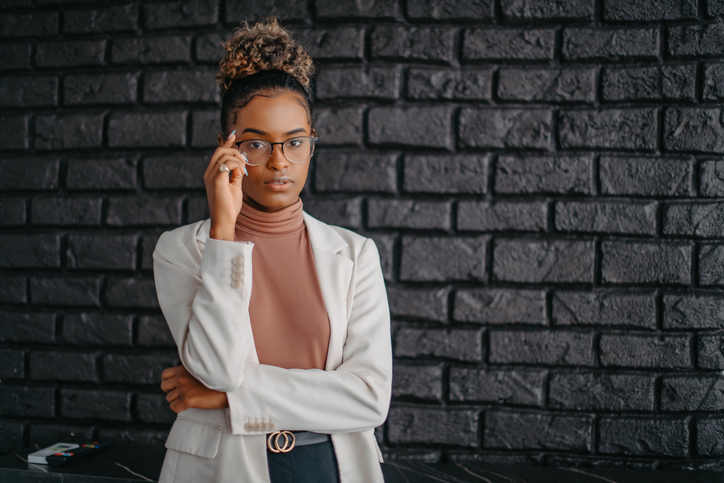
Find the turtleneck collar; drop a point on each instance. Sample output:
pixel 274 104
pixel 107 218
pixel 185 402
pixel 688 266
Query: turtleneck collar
pixel 286 221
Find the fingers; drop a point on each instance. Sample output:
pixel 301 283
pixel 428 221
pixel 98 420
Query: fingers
pixel 168 385
pixel 173 395
pixel 169 372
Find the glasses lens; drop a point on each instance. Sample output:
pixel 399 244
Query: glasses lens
pixel 257 152
pixel 298 150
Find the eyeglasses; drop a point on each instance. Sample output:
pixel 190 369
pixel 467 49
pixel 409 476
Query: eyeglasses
pixel 296 150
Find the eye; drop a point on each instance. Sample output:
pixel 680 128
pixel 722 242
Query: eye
pixel 295 143
pixel 253 145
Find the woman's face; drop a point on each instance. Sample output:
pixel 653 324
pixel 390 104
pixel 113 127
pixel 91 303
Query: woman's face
pixel 277 183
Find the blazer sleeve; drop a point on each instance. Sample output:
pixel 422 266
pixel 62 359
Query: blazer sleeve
pixel 206 306
pixel 353 397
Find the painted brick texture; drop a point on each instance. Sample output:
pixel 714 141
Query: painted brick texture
pixel 544 181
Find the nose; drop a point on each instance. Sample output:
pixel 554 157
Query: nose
pixel 277 160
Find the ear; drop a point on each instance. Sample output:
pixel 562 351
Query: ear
pixel 221 139
pixel 314 133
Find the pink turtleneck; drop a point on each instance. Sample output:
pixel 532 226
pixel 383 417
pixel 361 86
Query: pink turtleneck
pixel 288 317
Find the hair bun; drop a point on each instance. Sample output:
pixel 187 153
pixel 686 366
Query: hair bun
pixel 265 45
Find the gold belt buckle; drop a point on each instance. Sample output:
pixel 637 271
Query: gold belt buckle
pixel 289 441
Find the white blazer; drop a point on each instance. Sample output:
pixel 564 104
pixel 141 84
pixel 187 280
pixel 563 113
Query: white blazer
pixel 208 314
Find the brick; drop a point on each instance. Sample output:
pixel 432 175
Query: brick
pixel 543 9
pixel 153 331
pixel 505 128
pixel 451 9
pixel 174 172
pixel 70 53
pixel 633 218
pixel 510 430
pixel 412 126
pixel 467 84
pixel 65 291
pixel 355 172
pixel 27 327
pixel 711 178
pixel 137 369
pixel 101 174
pixel 196 209
pixel 429 304
pixel 693 312
pixel 25 251
pixel 47 434
pixel 380 82
pixel 64 211
pixel 604 307
pixel 541 347
pixel 696 40
pixel 548 85
pixel 510 43
pixel 593 391
pixel 13 290
pixel 95 404
pixel 152 50
pixel 284 9
pixel 655 262
pixel 12 211
pixel 650 351
pixel 642 437
pixel 442 259
pixel 28 24
pixel 413 43
pixel 11 436
pixel 63 366
pixel 693 129
pixel 97 329
pixel 714 8
pixel 142 129
pixel 416 215
pixel 12 364
pixel 110 252
pixel 140 437
pixel 15 56
pixel 69 131
pixel 497 458
pixel 141 211
pixel 25 91
pixel 610 44
pixel 386 247
pixel 501 216
pixel 650 83
pixel 153 408
pixel 650 11
pixel 27 402
pixel 710 351
pixel 14 133
pixel 331 43
pixel 346 213
pixel 458 427
pixel 710 436
pixel 560 174
pixel 131 292
pixel 112 19
pixel 184 13
pixel 339 126
pixel 446 174
pixel 180 86
pixel 610 128
pixel 536 261
pixel 670 177
pixel 148 244
pixel 418 382
pixel 500 306
pixel 688 393
pixel 456 344
pixel 349 8
pixel 209 47
pixel 524 388
pixel 100 89
pixel 205 128
pixel 698 220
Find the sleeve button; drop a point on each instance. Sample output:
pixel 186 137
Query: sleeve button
pixel 236 276
pixel 235 283
pixel 237 260
pixel 249 426
pixel 257 426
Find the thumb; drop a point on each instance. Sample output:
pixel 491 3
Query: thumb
pixel 231 138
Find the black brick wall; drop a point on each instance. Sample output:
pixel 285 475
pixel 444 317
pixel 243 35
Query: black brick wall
pixel 544 180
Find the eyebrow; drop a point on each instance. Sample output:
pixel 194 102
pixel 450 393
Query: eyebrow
pixel 263 133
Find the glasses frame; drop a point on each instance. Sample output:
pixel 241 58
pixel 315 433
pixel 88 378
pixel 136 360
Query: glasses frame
pixel 312 138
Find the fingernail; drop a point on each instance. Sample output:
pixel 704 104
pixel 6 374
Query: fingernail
pixel 232 133
pixel 247 160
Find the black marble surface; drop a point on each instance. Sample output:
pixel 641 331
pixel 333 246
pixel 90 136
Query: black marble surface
pixel 131 464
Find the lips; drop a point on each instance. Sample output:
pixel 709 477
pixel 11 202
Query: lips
pixel 281 183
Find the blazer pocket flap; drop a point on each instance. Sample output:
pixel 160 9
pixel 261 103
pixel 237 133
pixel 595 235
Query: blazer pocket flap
pixel 194 438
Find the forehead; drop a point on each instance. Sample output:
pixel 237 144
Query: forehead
pixel 277 112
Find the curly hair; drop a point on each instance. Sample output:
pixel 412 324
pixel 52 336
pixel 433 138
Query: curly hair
pixel 264 46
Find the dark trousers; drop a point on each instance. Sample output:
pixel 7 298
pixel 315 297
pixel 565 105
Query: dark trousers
pixel 310 463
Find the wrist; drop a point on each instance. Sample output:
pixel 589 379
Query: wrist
pixel 222 232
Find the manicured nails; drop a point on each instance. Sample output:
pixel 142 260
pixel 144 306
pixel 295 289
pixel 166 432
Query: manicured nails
pixel 232 133
pixel 247 160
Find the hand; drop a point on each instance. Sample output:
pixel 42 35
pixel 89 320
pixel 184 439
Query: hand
pixel 223 194
pixel 184 391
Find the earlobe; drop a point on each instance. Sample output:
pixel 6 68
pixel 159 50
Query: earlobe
pixel 221 139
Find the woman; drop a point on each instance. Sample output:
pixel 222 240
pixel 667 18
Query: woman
pixel 281 321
